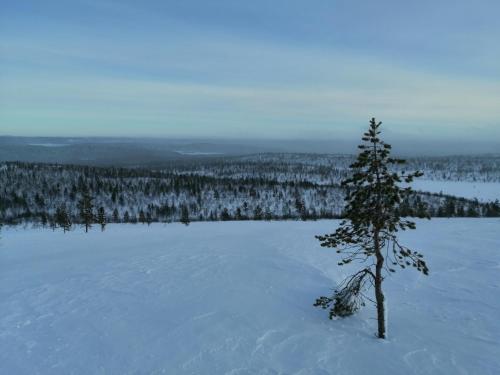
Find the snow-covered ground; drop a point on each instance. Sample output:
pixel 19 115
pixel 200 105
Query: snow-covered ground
pixel 236 298
pixel 483 191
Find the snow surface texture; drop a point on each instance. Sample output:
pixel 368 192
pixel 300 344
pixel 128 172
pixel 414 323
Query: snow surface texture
pixel 236 298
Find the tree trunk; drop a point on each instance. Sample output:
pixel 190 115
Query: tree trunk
pixel 379 295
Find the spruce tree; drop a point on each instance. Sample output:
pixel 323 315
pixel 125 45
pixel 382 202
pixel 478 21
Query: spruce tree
pixel 101 218
pixel 66 221
pixel 43 219
pixel 225 216
pixel 62 218
pixel 142 217
pixel 257 213
pixel 86 208
pixel 116 216
pixel 370 226
pixel 184 215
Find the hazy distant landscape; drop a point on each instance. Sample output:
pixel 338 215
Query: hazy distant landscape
pixel 231 184
pixel 136 152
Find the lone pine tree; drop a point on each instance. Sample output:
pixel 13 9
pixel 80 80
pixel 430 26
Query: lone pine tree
pixel 368 232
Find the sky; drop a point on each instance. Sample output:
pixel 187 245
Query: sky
pixel 281 69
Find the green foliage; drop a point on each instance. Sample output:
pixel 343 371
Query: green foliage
pixel 375 202
pixel 374 199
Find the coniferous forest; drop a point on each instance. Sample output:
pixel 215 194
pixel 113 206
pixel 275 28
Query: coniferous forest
pixel 260 187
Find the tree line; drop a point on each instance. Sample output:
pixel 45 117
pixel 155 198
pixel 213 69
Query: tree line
pixel 65 195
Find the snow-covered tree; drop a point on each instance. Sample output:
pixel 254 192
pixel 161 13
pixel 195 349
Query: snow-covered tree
pixel 62 218
pixel 101 218
pixel 86 207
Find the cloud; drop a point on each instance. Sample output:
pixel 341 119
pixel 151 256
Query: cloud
pixel 187 81
pixel 428 105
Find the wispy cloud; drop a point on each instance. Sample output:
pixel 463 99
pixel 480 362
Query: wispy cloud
pixel 431 105
pixel 184 78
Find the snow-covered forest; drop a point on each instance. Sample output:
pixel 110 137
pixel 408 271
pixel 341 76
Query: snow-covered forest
pixel 326 169
pixel 257 187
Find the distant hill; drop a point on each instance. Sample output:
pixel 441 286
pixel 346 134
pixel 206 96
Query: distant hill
pixel 113 151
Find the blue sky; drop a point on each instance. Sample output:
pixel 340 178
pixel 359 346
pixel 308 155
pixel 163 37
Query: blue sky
pixel 258 69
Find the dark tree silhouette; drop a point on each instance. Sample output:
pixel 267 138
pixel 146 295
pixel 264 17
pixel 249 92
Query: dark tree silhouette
pixel 101 218
pixel 86 208
pixel 184 215
pixel 116 216
pixel 369 231
pixel 142 217
pixel 62 218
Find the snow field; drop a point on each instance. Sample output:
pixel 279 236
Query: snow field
pixel 236 298
pixel 482 191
